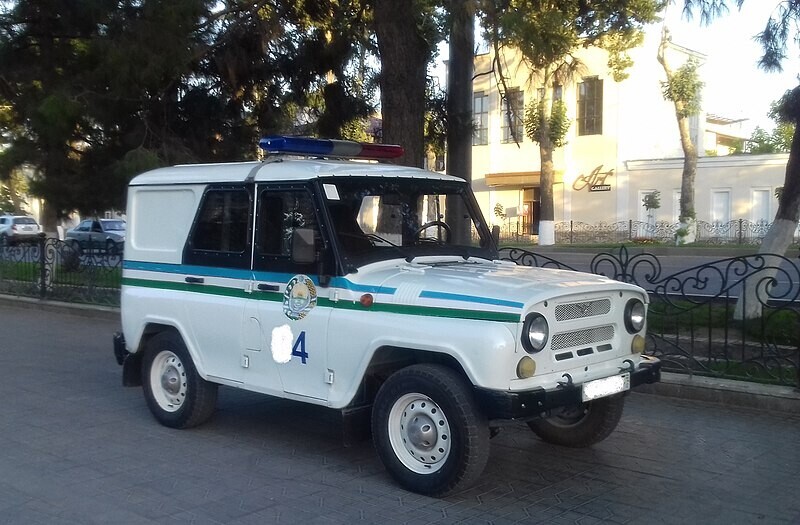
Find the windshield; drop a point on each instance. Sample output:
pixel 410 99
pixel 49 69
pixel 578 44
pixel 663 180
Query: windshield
pixel 376 219
pixel 114 225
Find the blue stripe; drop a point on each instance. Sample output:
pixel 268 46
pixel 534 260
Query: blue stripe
pixel 469 299
pixel 233 273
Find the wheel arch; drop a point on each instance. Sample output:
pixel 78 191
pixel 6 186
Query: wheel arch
pixel 132 366
pixel 388 359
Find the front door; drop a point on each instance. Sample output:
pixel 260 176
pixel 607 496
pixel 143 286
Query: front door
pixel 292 321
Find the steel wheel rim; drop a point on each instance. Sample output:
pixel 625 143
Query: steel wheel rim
pixel 419 433
pixel 168 381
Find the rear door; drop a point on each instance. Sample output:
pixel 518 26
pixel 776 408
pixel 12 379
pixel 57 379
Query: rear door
pixel 216 274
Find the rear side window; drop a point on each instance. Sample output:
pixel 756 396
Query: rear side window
pixel 221 232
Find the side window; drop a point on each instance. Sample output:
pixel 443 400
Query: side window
pixel 280 213
pixel 221 231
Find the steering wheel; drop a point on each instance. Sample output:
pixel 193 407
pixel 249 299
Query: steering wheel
pixel 427 225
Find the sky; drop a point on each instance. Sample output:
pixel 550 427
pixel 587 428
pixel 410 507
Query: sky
pixel 734 85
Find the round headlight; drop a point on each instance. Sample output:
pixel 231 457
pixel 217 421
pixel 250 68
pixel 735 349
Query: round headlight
pixel 635 315
pixel 535 333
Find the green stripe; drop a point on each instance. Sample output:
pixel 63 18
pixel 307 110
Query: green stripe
pixel 426 311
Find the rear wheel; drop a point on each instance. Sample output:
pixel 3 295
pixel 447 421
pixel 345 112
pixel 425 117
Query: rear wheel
pixel 428 431
pixel 111 247
pixel 581 425
pixel 176 394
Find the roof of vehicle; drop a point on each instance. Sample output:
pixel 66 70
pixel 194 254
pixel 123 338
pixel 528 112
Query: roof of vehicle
pixel 18 217
pixel 279 168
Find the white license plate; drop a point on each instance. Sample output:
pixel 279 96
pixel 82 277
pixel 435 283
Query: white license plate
pixel 606 387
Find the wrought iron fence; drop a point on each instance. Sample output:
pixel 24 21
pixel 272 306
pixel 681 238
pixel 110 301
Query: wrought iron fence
pixel 692 318
pixel 739 231
pixel 53 269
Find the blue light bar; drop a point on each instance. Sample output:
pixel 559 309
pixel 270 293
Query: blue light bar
pixel 329 147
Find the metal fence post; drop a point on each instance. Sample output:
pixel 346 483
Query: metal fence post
pixel 42 268
pixel 740 230
pixel 570 231
pixel 630 229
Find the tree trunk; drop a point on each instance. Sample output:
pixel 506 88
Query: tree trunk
pixel 778 238
pixel 547 178
pixel 687 233
pixel 688 216
pixel 459 108
pixel 404 59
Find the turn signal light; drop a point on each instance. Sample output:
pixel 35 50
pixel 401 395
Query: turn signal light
pixel 526 367
pixel 637 344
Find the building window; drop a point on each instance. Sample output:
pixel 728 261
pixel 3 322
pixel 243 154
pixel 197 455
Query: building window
pixel 590 107
pixel 720 206
pixel 759 209
pixel 513 112
pixel 480 113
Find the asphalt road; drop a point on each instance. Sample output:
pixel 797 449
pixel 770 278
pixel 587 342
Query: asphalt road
pixel 78 448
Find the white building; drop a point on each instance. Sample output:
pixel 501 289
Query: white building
pixel 623 143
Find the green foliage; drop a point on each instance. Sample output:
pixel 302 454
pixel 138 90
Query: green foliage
pixel 556 126
pixel 685 87
pixel 652 200
pixel 92 91
pixel 499 211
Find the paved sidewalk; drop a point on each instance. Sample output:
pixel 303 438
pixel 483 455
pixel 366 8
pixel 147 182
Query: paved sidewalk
pixel 698 388
pixel 78 448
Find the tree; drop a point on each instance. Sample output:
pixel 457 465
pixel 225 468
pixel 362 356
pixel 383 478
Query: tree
pixel 98 89
pixel 778 31
pixel 547 35
pixel 407 33
pixel 683 88
pixel 777 141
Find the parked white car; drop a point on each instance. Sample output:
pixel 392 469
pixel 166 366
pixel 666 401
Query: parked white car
pixel 371 289
pixel 18 228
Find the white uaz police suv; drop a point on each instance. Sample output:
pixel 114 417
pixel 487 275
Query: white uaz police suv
pixel 364 286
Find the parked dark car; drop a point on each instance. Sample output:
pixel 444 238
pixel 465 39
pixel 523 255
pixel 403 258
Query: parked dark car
pixel 98 234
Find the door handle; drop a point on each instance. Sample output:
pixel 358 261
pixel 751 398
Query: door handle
pixel 264 287
pixel 194 280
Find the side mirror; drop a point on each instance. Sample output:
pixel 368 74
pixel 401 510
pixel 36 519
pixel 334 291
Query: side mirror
pixel 304 249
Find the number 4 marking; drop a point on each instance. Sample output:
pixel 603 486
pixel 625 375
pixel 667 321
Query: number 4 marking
pixel 299 348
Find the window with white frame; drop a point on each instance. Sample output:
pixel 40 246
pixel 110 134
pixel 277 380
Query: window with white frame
pixel 513 113
pixel 759 205
pixel 480 115
pixel 676 205
pixel 720 206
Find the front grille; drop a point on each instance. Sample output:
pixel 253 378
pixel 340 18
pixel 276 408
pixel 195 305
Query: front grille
pixel 567 312
pixel 585 337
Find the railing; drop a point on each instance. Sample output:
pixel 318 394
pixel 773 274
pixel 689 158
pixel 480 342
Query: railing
pixel 739 231
pixel 691 321
pixel 53 269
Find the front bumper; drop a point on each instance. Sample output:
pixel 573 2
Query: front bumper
pixel 498 404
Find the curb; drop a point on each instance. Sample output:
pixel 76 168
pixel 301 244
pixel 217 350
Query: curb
pixel 110 313
pixel 726 392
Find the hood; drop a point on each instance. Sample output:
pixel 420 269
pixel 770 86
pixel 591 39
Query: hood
pixel 475 283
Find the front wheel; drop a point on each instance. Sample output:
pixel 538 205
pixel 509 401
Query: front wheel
pixel 428 431
pixel 176 394
pixel 581 425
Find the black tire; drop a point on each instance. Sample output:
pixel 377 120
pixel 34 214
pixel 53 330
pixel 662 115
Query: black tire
pixel 176 394
pixel 434 404
pixel 583 425
pixel 111 247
